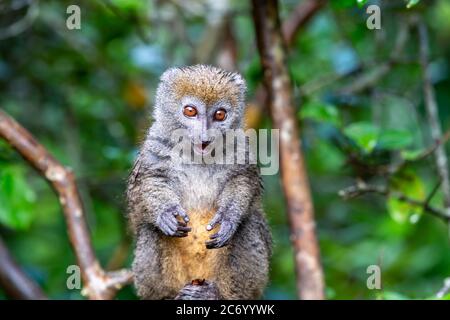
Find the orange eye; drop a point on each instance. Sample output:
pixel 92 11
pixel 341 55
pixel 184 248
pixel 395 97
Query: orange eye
pixel 190 111
pixel 220 115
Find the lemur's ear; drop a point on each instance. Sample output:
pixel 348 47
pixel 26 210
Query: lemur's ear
pixel 240 82
pixel 242 85
pixel 170 74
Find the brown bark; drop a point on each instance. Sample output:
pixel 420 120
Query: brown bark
pixel 14 281
pixel 310 283
pixel 98 284
pixel 302 14
pixel 228 53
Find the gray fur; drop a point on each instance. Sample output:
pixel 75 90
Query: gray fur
pixel 158 191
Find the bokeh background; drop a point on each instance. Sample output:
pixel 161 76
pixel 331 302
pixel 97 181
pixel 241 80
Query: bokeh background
pixel 87 96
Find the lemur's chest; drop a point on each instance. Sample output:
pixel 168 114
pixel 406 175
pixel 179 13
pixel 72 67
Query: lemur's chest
pixel 201 187
pixel 187 258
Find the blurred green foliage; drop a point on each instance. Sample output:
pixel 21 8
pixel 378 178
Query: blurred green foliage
pixel 87 95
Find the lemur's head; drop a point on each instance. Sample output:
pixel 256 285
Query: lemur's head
pixel 201 99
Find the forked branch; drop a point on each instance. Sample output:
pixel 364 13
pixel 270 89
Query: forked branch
pixel 310 283
pixel 14 281
pixel 98 284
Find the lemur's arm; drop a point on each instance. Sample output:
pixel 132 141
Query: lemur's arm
pixel 152 200
pixel 239 192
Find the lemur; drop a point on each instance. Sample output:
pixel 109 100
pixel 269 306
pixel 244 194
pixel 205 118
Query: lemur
pixel 195 220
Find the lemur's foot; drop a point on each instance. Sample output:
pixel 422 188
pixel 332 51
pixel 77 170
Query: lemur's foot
pixel 199 290
pixel 169 224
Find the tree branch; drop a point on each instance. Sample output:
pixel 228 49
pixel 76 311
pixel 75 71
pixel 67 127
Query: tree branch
pixel 14 281
pixel 228 54
pixel 23 24
pixel 433 114
pixel 437 143
pixel 303 13
pixel 98 284
pixel 363 188
pixel 310 283
pixel 421 156
pixel 371 78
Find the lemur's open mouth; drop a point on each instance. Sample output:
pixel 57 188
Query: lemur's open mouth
pixel 205 144
pixel 200 148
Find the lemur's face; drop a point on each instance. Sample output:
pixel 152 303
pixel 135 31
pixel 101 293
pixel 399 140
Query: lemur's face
pixel 205 122
pixel 205 101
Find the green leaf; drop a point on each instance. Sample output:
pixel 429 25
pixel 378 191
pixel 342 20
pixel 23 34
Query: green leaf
pixel 446 297
pixel 394 139
pixel 342 4
pixel 409 184
pixel 321 112
pixel 361 3
pixel 411 155
pixel 398 210
pixel 129 4
pixel 364 134
pixel 16 198
pixel 391 295
pixel 412 3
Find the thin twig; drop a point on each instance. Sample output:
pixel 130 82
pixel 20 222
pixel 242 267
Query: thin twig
pixel 14 281
pixel 363 188
pixel 301 15
pixel 98 284
pixel 438 143
pixel 310 282
pixel 432 193
pixel 22 25
pixel 433 114
pixel 373 76
pixel 422 155
pixel 133 19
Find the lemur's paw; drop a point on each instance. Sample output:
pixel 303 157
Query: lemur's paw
pixel 225 233
pixel 169 224
pixel 199 290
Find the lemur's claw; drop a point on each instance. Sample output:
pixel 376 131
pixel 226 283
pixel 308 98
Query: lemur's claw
pixel 169 224
pixel 222 237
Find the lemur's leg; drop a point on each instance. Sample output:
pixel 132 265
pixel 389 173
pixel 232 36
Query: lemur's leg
pixel 147 267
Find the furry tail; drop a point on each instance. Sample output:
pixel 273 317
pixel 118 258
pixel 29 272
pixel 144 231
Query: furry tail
pixel 199 289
